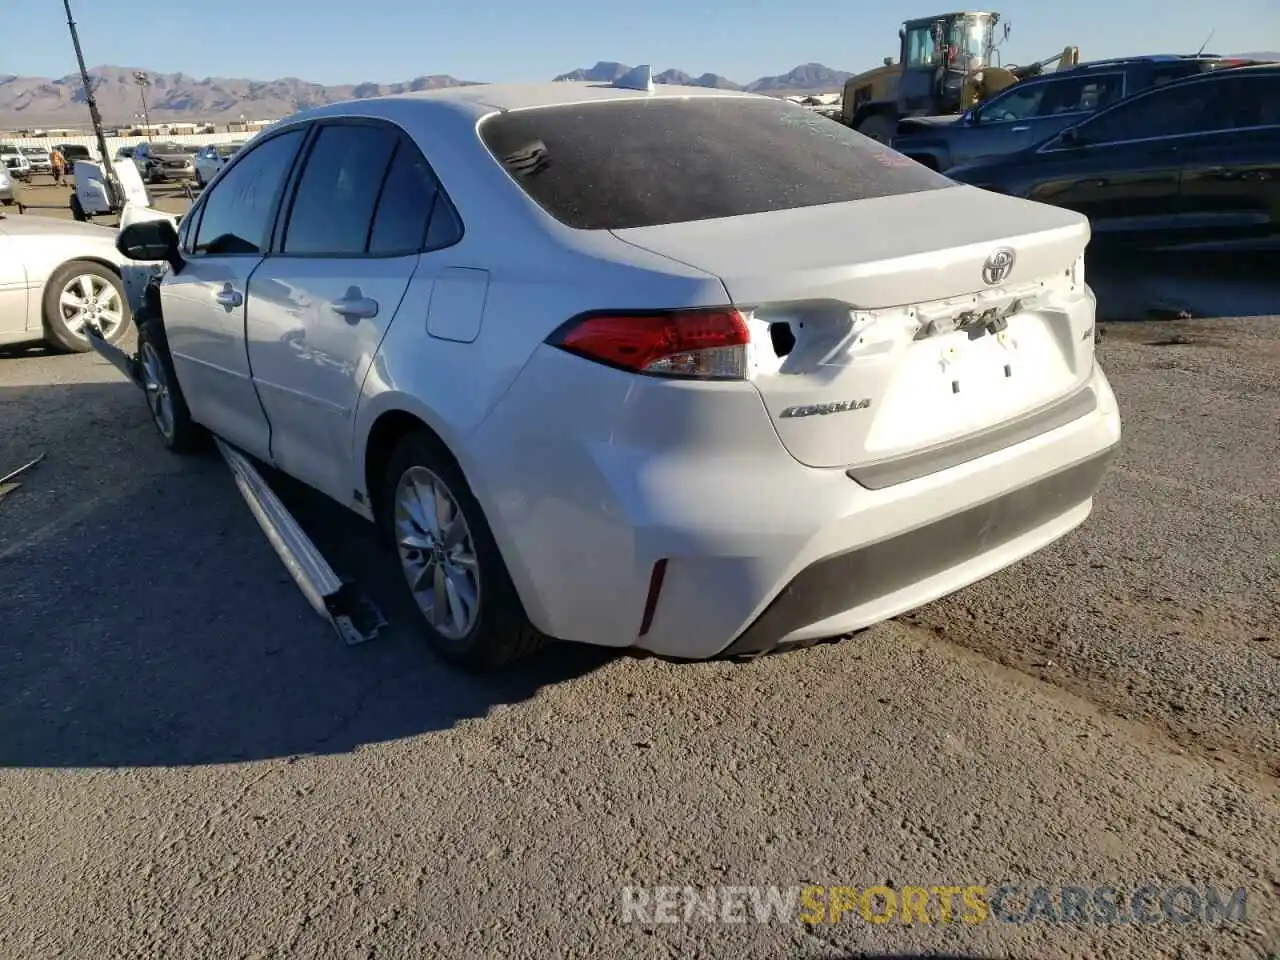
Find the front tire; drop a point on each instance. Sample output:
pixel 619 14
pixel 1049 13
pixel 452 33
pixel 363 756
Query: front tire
pixel 169 411
pixel 453 569
pixel 82 291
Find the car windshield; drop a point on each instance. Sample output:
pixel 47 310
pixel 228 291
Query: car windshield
pixel 228 150
pixel 612 165
pixel 35 151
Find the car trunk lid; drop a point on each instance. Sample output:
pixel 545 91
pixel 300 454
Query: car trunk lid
pixel 884 327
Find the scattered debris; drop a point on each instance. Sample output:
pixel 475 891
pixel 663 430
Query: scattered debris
pixel 7 484
pixel 1177 340
pixel 1169 312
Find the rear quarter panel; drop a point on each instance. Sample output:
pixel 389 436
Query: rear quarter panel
pixel 541 273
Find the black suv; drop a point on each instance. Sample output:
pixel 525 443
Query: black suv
pixel 1030 112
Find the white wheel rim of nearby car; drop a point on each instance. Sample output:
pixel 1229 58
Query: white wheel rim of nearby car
pixel 90 297
pixel 156 385
pixel 437 553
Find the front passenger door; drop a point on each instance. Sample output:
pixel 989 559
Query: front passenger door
pixel 204 302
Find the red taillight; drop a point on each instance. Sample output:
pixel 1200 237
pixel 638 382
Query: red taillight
pixel 699 344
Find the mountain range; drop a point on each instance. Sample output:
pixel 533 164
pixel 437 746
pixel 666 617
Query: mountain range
pixel 43 101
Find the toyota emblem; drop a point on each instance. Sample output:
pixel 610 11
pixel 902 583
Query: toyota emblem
pixel 998 266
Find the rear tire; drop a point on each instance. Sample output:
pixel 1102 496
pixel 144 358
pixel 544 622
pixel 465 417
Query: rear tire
pixel 453 569
pixel 169 411
pixel 77 292
pixel 879 127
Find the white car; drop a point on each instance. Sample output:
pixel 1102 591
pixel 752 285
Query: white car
pixel 209 160
pixel 55 275
pixel 686 370
pixel 39 159
pixel 7 197
pixel 15 161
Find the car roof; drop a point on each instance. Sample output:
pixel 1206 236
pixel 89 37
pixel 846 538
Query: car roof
pixel 1143 60
pixel 484 98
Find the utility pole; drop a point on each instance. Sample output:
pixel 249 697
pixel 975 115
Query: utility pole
pixel 143 81
pixel 113 186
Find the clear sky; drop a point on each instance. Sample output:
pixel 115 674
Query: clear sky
pixel 509 40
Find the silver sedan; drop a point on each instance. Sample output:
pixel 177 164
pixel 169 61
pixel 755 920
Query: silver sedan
pixel 54 276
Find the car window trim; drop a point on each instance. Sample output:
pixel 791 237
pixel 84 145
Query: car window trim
pixel 403 139
pixel 285 212
pixel 1209 77
pixel 1167 136
pixel 1138 97
pixel 203 201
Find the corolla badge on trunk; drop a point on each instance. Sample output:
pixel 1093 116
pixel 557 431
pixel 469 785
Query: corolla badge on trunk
pixel 822 409
pixel 998 266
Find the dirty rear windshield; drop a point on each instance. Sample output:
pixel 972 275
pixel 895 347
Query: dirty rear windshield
pixel 610 165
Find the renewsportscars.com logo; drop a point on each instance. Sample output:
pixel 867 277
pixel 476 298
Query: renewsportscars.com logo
pixel 935 904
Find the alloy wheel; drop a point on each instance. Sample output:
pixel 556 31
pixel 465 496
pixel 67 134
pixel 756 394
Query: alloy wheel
pixel 88 297
pixel 156 385
pixel 437 553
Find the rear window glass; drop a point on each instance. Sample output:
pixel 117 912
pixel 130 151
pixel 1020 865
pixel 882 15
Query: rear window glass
pixel 611 165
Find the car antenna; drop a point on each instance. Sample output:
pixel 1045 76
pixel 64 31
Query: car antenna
pixel 1206 42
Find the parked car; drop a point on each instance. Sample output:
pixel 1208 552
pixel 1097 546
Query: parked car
pixel 7 197
pixel 1191 163
pixel 15 161
pixel 56 274
pixel 38 158
pixel 1032 111
pixel 72 152
pixel 212 158
pixel 158 162
pixel 636 368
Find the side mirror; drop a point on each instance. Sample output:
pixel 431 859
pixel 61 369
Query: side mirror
pixel 150 240
pixel 1070 138
pixel 973 117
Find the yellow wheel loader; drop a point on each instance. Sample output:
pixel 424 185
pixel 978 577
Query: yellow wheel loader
pixel 946 64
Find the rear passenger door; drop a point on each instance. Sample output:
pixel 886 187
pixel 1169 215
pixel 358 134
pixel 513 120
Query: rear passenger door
pixel 352 233
pixel 1231 176
pixel 1125 170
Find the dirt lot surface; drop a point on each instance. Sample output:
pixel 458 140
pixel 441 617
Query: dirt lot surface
pixel 191 765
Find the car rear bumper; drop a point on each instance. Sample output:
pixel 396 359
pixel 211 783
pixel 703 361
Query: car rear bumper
pixel 735 553
pixel 846 591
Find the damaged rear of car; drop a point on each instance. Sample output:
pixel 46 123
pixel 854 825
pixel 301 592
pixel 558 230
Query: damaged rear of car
pixel 696 372
pixel 901 369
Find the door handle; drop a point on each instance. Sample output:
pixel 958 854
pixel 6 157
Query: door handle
pixel 355 306
pixel 1022 129
pixel 227 297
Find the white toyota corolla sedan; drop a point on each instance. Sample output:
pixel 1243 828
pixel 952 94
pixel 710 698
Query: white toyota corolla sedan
pixel 687 370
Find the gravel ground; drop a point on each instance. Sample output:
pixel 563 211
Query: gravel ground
pixel 192 766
